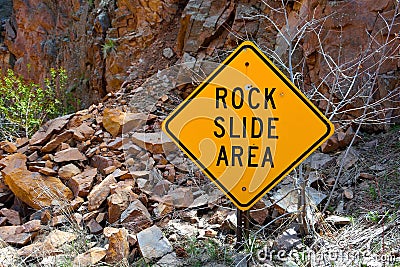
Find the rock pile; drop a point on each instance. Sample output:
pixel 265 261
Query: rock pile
pixel 82 170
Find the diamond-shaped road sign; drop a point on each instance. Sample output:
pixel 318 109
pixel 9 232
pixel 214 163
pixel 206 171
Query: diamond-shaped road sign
pixel 247 126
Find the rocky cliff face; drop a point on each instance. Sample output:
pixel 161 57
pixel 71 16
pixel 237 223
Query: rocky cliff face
pixel 5 14
pixel 343 54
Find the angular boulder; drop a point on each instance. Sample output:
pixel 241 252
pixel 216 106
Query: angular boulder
pixel 153 245
pixel 100 192
pixel 113 120
pixel 34 189
pixel 118 245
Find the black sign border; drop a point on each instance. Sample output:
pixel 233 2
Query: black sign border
pixel 290 86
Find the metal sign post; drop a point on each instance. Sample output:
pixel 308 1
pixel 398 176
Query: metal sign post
pixel 242 229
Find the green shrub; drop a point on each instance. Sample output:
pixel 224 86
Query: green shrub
pixel 109 47
pixel 25 105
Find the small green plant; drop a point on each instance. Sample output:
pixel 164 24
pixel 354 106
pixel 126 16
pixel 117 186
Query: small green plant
pixel 193 247
pixel 212 249
pixel 91 3
pixel 372 192
pixel 373 216
pixel 331 209
pixel 109 47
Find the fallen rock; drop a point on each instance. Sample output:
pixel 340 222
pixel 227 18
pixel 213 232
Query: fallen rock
pixel 15 235
pixel 152 244
pixel 345 138
pixel 101 163
pixel 70 154
pixel 287 240
pixel 164 206
pixel 31 187
pixel 182 197
pixel 367 176
pixel 58 220
pixel 140 174
pixel 289 198
pixel 259 212
pixel 12 216
pixel 47 171
pixel 377 167
pixel 118 245
pixel 8 147
pixel 161 188
pixel 49 246
pixel 210 233
pixel 32 226
pixel 68 171
pixel 348 193
pixel 119 200
pixel 319 161
pixel 113 120
pixel 200 201
pixel 331 144
pixel 169 260
pixel 48 129
pixel 156 143
pixel 168 52
pixel 90 257
pixel 350 159
pixel 133 121
pixel 54 260
pixel 83 132
pixel 94 227
pixel 82 183
pixel 57 238
pixel 136 216
pixel 100 192
pixel 5 192
pixel 3 221
pixel 55 142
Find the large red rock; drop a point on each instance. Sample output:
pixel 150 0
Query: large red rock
pixel 113 120
pixel 136 216
pixel 118 246
pixel 100 192
pixel 34 189
pixel 82 183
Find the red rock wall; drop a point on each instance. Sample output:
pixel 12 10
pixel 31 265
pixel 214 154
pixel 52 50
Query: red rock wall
pixel 337 36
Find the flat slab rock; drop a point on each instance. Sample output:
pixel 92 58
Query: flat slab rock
pixel 70 154
pixel 90 257
pixel 153 244
pixel 15 235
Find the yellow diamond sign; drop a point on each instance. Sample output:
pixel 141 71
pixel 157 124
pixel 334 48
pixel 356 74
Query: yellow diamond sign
pixel 247 126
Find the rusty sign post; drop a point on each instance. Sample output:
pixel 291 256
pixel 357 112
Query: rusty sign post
pixel 247 126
